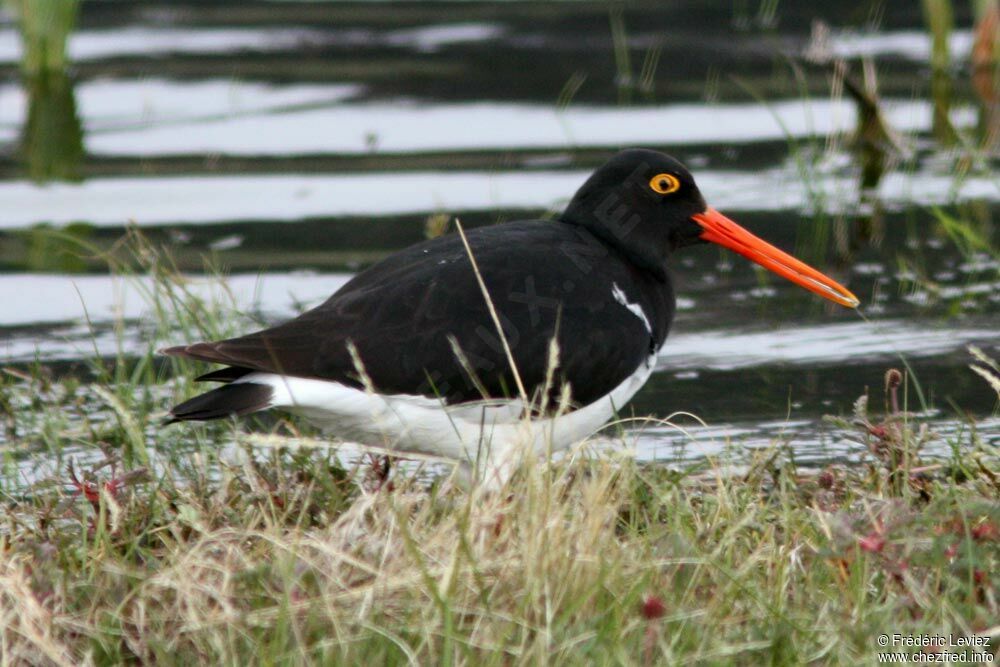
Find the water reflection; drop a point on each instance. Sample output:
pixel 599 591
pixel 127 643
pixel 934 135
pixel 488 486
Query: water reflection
pixel 877 148
pixel 985 72
pixel 941 93
pixel 51 145
pixel 52 139
pixel 940 22
pixel 56 250
pixel 323 135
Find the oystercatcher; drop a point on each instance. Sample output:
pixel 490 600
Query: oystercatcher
pixel 411 355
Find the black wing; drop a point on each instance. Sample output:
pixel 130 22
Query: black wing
pixel 406 315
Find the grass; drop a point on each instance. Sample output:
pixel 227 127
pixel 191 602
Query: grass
pixel 44 26
pixel 51 145
pixel 281 558
pixel 136 544
pixel 212 545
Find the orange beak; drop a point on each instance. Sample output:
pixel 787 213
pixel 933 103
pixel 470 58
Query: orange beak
pixel 720 229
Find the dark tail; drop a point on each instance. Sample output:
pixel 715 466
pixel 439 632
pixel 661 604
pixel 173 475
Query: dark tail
pixel 231 400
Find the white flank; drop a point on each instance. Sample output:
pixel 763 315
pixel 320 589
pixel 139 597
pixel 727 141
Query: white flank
pixel 488 433
pixel 635 308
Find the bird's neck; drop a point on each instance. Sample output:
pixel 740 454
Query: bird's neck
pixel 624 232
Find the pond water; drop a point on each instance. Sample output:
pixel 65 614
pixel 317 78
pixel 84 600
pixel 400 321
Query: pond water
pixel 295 142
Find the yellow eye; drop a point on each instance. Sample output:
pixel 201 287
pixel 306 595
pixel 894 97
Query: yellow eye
pixel 665 184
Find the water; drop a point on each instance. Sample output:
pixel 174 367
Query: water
pixel 296 142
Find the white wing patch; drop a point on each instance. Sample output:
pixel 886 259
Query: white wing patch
pixel 636 309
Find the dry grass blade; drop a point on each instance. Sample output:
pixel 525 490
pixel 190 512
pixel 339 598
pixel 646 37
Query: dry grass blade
pixel 493 313
pixel 989 371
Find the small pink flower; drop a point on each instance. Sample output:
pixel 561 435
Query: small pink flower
pixel 872 543
pixel 986 531
pixel 653 607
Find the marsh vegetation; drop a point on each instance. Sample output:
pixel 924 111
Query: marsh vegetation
pixel 171 172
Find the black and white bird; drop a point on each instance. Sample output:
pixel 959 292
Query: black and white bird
pixel 407 355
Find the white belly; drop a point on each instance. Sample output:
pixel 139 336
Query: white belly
pixel 480 433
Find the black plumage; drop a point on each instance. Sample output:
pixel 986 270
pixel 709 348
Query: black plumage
pixel 595 280
pixel 229 400
pixel 407 315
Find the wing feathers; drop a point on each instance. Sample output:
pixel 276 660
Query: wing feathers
pixel 229 400
pixel 402 312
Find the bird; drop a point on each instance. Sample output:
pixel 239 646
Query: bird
pixel 523 336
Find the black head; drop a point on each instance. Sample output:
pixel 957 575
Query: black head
pixel 646 204
pixel 640 201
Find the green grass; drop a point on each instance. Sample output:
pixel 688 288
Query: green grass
pixel 51 145
pixel 212 545
pixel 283 558
pixel 44 27
pixel 135 543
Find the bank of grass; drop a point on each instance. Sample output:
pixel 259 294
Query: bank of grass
pixel 203 545
pixel 282 557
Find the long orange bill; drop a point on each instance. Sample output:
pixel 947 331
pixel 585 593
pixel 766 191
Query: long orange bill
pixel 720 229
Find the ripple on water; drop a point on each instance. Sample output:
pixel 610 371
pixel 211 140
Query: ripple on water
pixel 815 444
pixel 212 199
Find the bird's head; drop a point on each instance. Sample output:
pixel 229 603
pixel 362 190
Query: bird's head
pixel 647 204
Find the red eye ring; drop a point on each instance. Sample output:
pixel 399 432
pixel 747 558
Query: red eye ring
pixel 664 184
